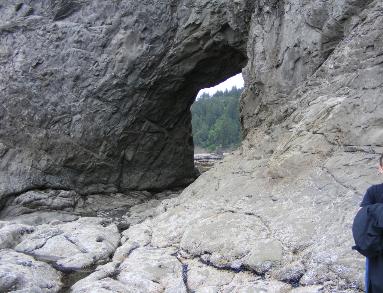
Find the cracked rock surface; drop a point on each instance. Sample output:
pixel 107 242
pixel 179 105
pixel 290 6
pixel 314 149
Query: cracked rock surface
pixel 74 245
pixel 250 244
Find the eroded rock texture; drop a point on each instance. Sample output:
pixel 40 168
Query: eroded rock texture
pixel 95 97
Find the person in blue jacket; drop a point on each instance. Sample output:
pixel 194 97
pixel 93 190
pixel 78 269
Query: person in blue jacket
pixel 373 195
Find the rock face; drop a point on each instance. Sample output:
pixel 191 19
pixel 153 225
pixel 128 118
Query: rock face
pixel 96 96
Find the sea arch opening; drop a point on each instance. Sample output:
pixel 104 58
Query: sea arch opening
pixel 216 124
pixel 215 117
pixel 173 96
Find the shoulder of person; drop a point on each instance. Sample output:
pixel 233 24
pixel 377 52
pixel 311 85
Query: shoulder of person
pixel 379 187
pixel 373 188
pixel 366 230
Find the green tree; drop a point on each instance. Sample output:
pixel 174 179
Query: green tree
pixel 215 120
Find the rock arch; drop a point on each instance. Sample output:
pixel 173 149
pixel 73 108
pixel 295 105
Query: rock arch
pixel 96 96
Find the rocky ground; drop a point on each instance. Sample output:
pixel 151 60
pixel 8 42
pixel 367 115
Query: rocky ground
pixel 230 231
pixel 49 239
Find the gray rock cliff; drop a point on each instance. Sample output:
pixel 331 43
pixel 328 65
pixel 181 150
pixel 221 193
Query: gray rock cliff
pixel 96 95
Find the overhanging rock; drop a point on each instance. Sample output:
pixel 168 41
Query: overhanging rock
pixel 95 95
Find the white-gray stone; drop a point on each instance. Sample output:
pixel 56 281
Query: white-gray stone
pixel 231 240
pixel 74 245
pixel 22 273
pixel 12 234
pixel 145 270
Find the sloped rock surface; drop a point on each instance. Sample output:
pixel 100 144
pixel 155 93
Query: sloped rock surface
pixel 251 245
pixel 311 246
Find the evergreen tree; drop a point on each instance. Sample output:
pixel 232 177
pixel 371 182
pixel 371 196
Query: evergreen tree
pixel 215 120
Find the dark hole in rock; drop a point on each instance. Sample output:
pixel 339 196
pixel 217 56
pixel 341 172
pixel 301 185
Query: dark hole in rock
pixel 69 279
pixel 18 6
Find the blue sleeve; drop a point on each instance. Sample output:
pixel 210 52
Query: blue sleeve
pixel 369 197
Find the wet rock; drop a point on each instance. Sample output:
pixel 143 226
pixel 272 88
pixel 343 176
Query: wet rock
pixel 22 273
pixel 74 245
